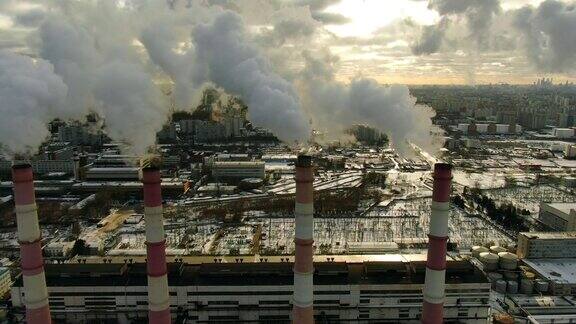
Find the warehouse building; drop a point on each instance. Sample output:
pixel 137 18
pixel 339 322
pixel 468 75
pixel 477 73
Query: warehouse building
pixel 558 272
pixel 537 245
pixel 256 292
pixel 558 216
pixel 238 169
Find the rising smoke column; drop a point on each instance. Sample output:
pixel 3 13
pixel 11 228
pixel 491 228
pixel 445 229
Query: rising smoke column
pixel 106 76
pixel 232 62
pixel 31 95
pixel 335 106
pixel 549 34
pixel 478 14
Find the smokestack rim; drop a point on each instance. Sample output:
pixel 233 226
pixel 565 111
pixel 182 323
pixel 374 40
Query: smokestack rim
pixel 21 165
pixel 151 168
pixel 304 161
pixel 443 170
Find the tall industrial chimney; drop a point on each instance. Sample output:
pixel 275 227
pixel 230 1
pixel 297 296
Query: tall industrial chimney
pixel 303 266
pixel 158 297
pixel 29 237
pixel 433 309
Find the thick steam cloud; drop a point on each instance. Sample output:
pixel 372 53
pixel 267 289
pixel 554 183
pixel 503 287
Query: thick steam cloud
pixel 231 62
pixel 31 96
pixel 103 58
pixel 335 106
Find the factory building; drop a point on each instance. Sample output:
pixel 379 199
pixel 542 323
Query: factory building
pixel 41 167
pixel 559 273
pixel 238 170
pixel 116 174
pixel 5 282
pixel 558 216
pixel 544 245
pixel 570 151
pixel 564 132
pixel 493 129
pixel 344 291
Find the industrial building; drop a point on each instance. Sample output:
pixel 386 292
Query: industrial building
pixel 564 132
pixel 345 292
pixel 558 216
pixel 238 170
pixel 543 245
pixel 5 281
pixel 558 272
pixel 116 173
pixel 494 129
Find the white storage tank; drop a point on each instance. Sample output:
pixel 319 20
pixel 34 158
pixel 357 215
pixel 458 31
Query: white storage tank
pixel 497 249
pixel 526 286
pixel 494 276
pixel 541 285
pixel 509 275
pixel 528 275
pixel 502 128
pixel 482 128
pixel 500 286
pixel 563 132
pixel 512 287
pixel 476 250
pixel 508 261
pixel 489 260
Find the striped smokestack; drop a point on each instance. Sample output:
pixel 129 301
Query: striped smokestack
pixel 158 297
pixel 303 267
pixel 433 309
pixel 35 291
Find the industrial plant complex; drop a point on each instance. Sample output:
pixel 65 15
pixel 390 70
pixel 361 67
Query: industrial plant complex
pixel 245 229
pixel 301 162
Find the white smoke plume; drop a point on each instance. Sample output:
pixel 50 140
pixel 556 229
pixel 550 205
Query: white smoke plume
pixel 231 61
pixel 31 95
pixel 105 75
pixel 549 34
pixel 94 49
pixel 335 106
pixel 478 15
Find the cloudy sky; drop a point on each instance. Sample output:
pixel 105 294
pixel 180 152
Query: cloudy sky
pixel 303 67
pixel 392 41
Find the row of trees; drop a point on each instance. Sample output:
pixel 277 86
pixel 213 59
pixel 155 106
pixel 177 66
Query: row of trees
pixel 505 214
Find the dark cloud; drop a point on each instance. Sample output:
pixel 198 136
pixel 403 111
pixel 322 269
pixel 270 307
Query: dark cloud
pixel 32 18
pixel 328 18
pixel 478 14
pixel 430 39
pixel 317 5
pixel 549 34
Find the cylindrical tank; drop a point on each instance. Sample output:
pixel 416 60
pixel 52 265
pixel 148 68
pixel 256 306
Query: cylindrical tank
pixel 500 286
pixel 509 275
pixel 497 249
pixel 494 276
pixel 512 287
pixel 508 261
pixel 503 319
pixel 541 285
pixel 489 260
pixel 528 275
pixel 476 250
pixel 526 286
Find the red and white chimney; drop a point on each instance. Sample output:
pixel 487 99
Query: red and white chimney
pixel 434 285
pixel 29 237
pixel 158 296
pixel 303 298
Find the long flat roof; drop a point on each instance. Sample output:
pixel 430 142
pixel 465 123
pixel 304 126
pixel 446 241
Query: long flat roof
pixel 549 235
pixel 563 207
pixel 561 271
pixel 255 274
